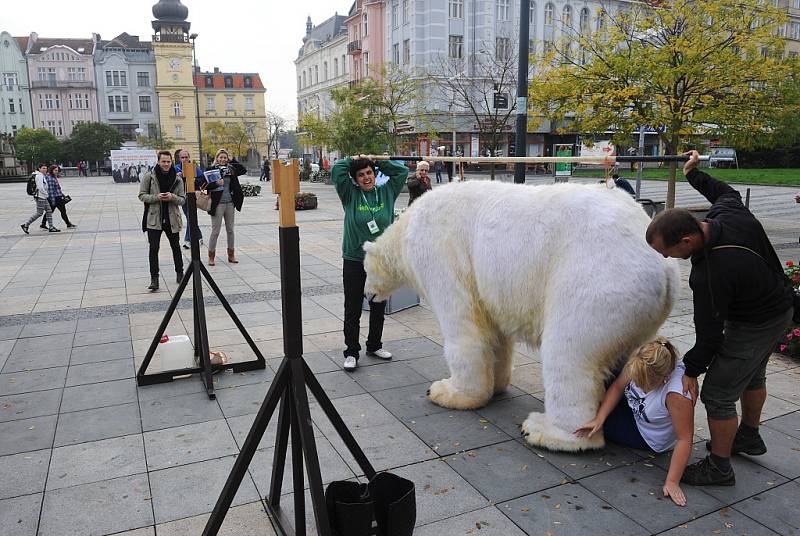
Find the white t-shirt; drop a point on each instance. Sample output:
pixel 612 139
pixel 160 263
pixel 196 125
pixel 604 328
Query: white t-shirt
pixel 651 413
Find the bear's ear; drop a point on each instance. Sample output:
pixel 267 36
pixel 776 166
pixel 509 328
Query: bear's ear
pixel 368 246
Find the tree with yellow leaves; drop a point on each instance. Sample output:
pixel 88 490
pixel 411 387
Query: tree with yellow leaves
pixel 683 67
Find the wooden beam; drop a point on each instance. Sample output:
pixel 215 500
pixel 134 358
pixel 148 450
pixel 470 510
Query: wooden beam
pixel 286 183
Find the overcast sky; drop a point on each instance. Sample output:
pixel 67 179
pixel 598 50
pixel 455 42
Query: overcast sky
pixel 234 35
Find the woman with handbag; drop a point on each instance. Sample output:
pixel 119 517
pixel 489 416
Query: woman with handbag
pixel 181 158
pixel 226 197
pixel 162 193
pixel 56 197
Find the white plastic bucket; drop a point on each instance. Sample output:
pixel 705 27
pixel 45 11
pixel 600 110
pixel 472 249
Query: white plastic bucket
pixel 176 352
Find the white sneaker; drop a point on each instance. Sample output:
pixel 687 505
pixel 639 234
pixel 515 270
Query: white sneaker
pixel 380 354
pixel 350 363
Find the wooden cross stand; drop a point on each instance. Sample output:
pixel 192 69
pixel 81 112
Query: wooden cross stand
pixel 289 387
pixel 201 347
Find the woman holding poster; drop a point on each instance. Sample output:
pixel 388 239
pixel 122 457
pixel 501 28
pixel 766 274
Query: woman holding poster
pixel 226 195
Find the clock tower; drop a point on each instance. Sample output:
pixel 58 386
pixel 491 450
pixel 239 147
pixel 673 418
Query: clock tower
pixel 174 77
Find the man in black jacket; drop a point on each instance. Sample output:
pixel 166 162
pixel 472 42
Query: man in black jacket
pixel 742 305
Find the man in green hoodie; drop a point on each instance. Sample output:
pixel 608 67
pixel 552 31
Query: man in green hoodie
pixel 368 211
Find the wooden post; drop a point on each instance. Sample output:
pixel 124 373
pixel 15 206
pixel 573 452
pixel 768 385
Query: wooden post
pixel 286 183
pixel 188 174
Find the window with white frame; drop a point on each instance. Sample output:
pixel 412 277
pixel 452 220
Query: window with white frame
pixel 12 109
pixel 316 74
pixel 532 16
pixel 143 79
pixel 795 31
pixel 118 103
pixel 395 18
pixel 566 16
pixel 59 128
pixel 79 101
pixel 325 71
pixel 456 47
pixel 344 64
pixel 47 73
pixel 304 79
pixel 407 51
pixel 10 80
pixel 116 78
pixel 229 103
pixel 51 101
pixel 335 67
pixel 366 63
pixel 366 26
pixel 249 103
pixel 145 104
pixel 76 73
pixel 584 22
pixel 456 9
pixel 396 53
pixel 176 109
pixel 549 10
pixel 406 12
pixel 20 108
pixel 211 104
pixel 503 48
pixel 601 20
pixel 178 132
pixel 503 9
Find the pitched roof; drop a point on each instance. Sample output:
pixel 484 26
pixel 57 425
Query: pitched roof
pixel 75 44
pixel 218 80
pixel 23 43
pixel 325 31
pixel 126 41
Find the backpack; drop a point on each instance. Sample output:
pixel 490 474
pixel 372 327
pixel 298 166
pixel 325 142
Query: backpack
pixel 31 187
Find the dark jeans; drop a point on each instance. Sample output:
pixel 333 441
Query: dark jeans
pixel 154 238
pixel 188 235
pixel 62 207
pixel 353 279
pixel 620 427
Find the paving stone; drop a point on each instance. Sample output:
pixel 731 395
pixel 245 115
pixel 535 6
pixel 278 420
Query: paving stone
pixel 408 402
pixel 440 491
pixel 144 531
pixel 104 322
pixel 27 435
pixel 100 336
pixel 484 522
pixel 24 473
pixel 236 379
pixel 101 352
pixel 504 471
pixel 188 444
pixel 387 376
pixel 20 516
pixel 332 467
pixel 432 367
pixel 98 423
pixel 5 351
pixel 240 426
pixel 578 465
pixel 386 447
pixel 178 411
pixel 357 412
pixel 509 414
pixel 783 453
pixel 63 327
pixel 99 508
pixel 182 386
pixel 776 508
pixel 635 490
pixel 10 332
pixel 245 520
pixel 569 510
pixel 98 395
pixel 100 372
pixel 190 490
pixel 724 522
pixel 412 348
pixel 30 381
pixel 338 384
pixel 455 431
pixel 786 424
pixel 44 343
pixel 242 400
pixel 95 461
pixel 318 362
pixel 27 405
pixel 37 358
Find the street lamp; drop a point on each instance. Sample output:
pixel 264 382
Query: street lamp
pixel 193 38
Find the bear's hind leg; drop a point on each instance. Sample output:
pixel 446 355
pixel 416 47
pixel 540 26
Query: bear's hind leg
pixel 471 382
pixel 503 355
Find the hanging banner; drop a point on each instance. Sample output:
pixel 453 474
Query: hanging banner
pixel 600 148
pixel 563 169
pixel 131 166
pixel 474 146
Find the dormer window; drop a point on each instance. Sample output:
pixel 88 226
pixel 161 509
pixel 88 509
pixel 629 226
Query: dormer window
pixel 248 82
pixel 209 81
pixel 228 81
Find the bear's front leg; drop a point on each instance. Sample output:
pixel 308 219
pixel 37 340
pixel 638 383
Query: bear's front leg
pixel 471 381
pixel 539 432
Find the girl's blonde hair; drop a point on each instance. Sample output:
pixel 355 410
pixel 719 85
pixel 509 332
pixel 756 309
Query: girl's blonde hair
pixel 424 165
pixel 221 151
pixel 651 363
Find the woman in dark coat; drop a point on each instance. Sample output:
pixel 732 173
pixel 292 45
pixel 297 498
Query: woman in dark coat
pixel 226 197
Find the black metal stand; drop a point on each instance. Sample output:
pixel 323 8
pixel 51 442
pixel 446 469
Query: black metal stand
pixel 201 348
pixel 289 388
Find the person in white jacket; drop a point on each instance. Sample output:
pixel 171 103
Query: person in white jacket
pixel 42 203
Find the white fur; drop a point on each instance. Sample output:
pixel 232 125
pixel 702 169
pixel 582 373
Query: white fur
pixel 564 268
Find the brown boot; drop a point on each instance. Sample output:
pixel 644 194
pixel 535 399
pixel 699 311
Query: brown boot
pixel 232 256
pixel 211 254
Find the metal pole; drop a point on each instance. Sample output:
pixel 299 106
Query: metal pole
pixel 453 109
pixel 521 142
pixel 197 103
pixel 641 164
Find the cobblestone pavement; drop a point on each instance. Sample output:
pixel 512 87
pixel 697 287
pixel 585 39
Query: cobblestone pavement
pixel 83 451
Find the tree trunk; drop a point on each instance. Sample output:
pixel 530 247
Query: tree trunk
pixel 673 166
pixel 491 170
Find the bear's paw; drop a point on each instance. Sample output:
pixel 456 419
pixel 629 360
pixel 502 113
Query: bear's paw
pixel 443 394
pixel 539 432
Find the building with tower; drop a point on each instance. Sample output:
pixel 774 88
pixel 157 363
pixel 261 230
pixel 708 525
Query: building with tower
pixel 177 97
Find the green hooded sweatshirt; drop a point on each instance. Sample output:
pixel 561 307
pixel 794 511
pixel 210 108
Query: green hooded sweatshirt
pixel 360 208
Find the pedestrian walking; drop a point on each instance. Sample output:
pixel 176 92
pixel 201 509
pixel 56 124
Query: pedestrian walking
pixel 182 157
pixel 226 198
pixel 438 167
pixel 743 303
pixel 42 203
pixel 368 211
pixel 162 192
pixel 264 170
pixel 56 197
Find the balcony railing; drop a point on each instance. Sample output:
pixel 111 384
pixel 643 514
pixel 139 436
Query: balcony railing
pixel 62 83
pixel 353 47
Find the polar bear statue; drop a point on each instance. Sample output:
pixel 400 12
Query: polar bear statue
pixel 564 268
